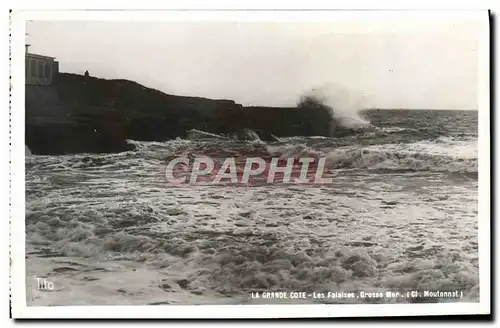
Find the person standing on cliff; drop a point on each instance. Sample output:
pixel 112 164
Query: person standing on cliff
pixel 87 92
pixel 86 77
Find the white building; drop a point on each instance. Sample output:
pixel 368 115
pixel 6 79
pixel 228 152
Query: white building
pixel 40 70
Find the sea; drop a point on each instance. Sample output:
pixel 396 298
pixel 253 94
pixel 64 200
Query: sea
pixel 401 216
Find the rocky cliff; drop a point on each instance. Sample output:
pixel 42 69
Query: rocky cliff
pixel 87 114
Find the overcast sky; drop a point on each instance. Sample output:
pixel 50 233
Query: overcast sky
pixel 425 65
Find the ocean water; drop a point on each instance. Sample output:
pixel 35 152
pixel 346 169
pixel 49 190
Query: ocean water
pixel 401 216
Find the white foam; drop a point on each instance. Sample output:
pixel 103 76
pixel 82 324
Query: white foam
pixel 343 103
pixel 130 235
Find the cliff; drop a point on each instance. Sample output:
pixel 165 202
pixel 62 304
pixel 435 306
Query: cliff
pixel 88 114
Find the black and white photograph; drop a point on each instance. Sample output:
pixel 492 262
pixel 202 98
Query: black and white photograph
pixel 275 159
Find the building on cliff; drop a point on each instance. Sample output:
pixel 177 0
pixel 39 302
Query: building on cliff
pixel 40 70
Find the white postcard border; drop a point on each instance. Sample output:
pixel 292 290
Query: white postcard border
pixel 18 277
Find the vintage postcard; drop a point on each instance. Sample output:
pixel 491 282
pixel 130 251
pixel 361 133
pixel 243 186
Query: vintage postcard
pixel 257 164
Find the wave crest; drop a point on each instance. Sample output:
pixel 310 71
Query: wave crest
pixel 380 159
pixel 344 105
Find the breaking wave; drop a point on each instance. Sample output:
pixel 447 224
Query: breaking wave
pixel 386 158
pixel 400 161
pixel 344 105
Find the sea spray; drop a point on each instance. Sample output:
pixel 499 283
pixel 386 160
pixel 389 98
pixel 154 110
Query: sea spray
pixel 343 105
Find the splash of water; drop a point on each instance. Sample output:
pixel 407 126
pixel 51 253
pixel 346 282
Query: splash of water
pixel 344 105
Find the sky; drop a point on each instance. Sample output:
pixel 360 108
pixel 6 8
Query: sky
pixel 416 65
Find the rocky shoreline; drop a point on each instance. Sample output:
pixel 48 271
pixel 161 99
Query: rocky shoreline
pixel 84 114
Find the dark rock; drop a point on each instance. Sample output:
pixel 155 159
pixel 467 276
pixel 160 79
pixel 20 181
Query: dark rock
pixel 183 283
pixel 97 269
pixel 87 278
pixel 71 263
pixel 361 243
pixel 87 114
pixel 416 248
pixel 64 269
pixel 165 286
